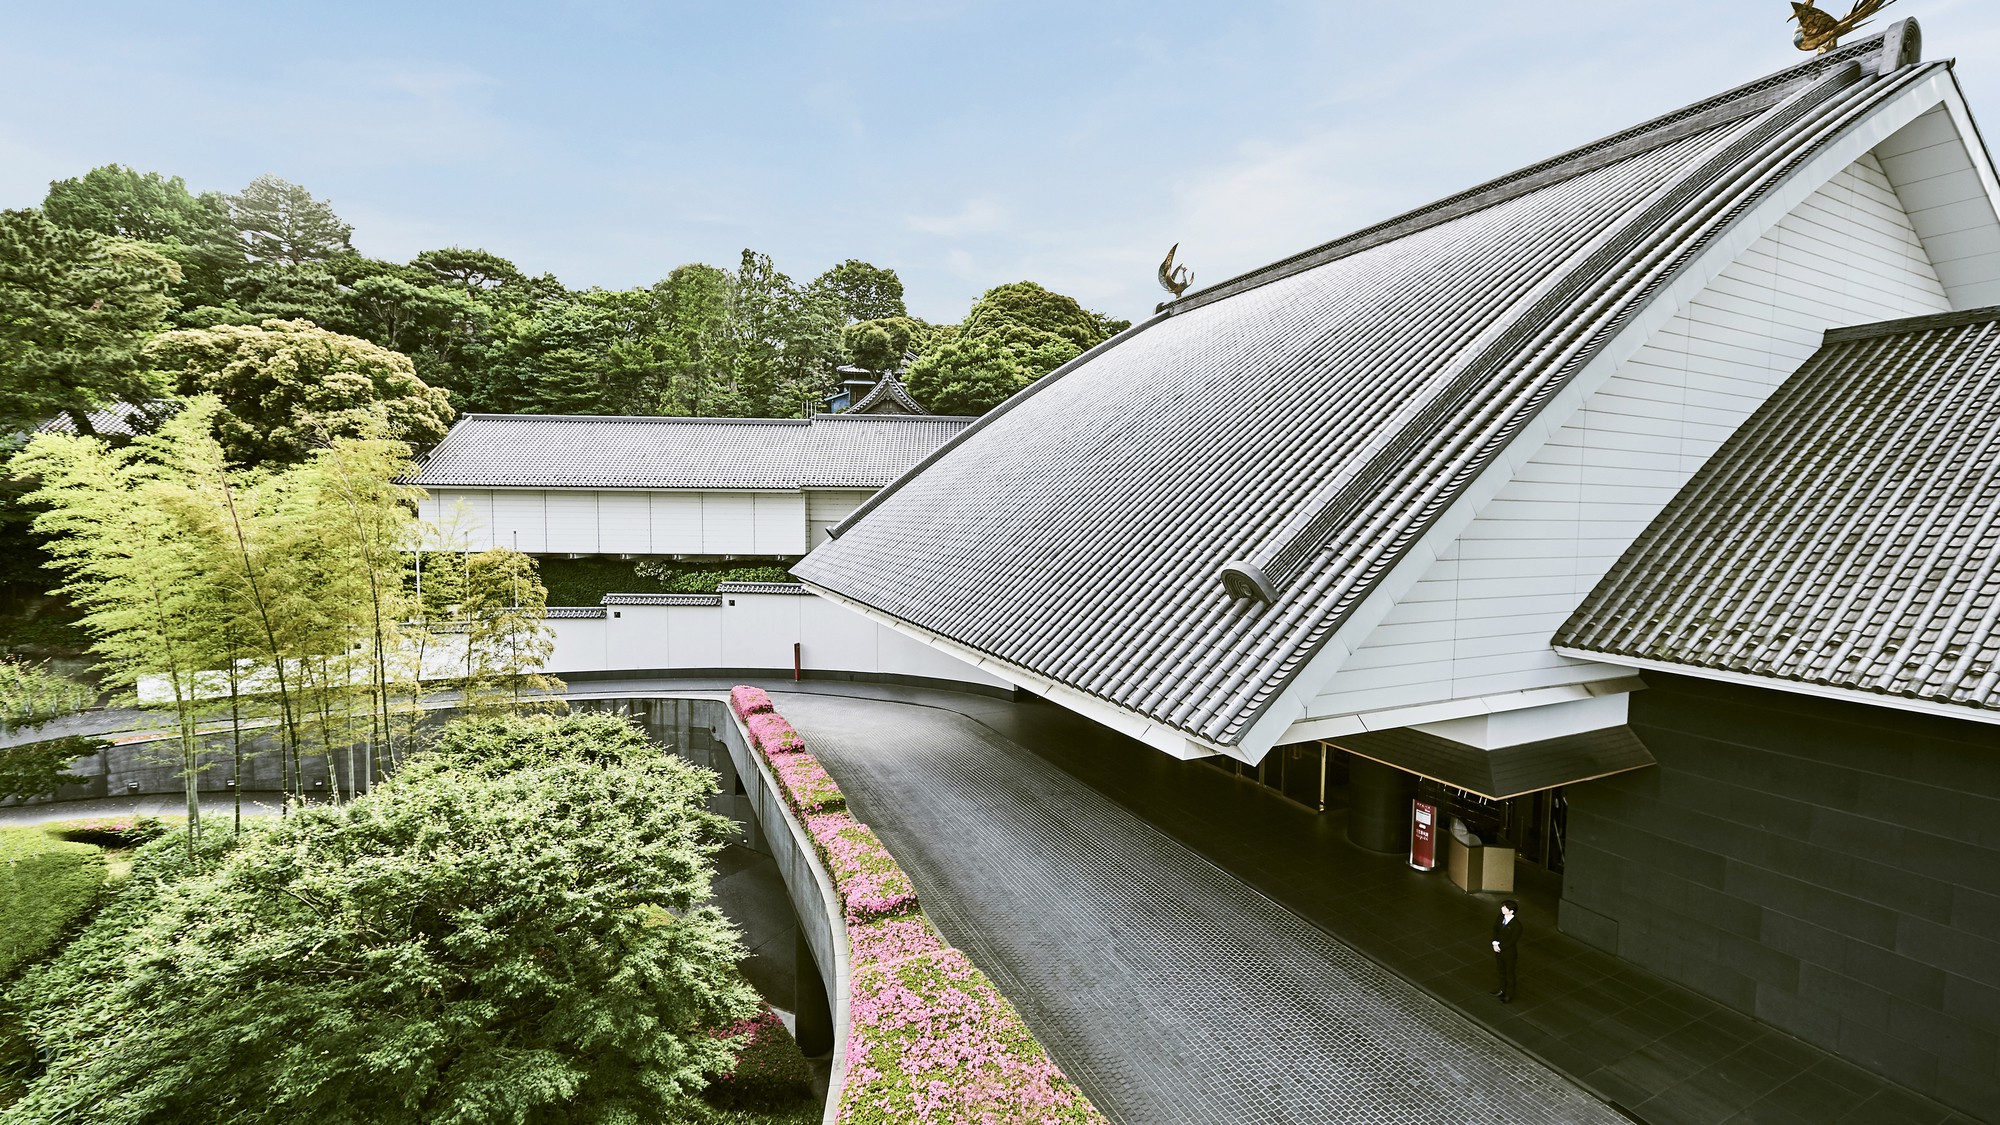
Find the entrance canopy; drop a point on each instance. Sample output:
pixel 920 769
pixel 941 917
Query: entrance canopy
pixel 1509 771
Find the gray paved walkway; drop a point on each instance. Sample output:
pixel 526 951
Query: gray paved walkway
pixel 1170 990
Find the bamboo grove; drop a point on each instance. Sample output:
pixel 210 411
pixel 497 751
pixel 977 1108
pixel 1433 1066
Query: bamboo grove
pixel 284 610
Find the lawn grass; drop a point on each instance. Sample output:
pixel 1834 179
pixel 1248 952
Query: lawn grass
pixel 48 887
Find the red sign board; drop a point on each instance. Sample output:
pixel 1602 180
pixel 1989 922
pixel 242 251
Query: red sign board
pixel 1423 836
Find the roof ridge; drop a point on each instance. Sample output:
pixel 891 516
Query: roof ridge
pixel 1926 323
pixel 1719 109
pixel 647 418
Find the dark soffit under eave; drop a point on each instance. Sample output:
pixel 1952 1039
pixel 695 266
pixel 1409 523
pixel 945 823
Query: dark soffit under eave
pixel 1509 771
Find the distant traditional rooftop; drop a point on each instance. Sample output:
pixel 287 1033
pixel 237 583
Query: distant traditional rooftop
pixel 844 451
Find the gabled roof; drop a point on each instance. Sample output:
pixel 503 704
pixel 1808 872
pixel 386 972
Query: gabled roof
pixel 590 451
pixel 1310 420
pixel 1847 536
pixel 888 396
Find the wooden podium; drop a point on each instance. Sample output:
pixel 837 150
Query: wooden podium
pixel 1473 870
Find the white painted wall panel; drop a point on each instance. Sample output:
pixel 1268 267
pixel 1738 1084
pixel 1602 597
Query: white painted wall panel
pixel 1480 620
pixel 758 630
pixel 781 523
pixel 571 521
pixel 624 523
pixel 677 523
pixel 826 507
pixel 693 638
pixel 520 520
pixel 729 523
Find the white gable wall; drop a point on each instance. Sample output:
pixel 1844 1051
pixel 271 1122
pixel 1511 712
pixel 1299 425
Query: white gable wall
pixel 1479 621
pixel 622 522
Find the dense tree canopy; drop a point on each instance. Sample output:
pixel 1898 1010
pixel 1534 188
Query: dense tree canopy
pixel 76 308
pixel 1014 335
pixel 289 388
pixel 512 929
pixel 743 341
pixel 282 224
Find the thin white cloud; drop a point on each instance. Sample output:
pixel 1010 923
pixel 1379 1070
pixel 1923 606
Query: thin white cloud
pixel 981 215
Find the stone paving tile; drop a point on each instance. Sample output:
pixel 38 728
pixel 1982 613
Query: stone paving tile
pixel 1170 990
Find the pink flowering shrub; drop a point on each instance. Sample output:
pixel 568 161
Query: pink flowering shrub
pixel 748 701
pixel 931 1040
pixel 870 883
pixel 770 733
pixel 769 1072
pixel 808 788
pixel 888 940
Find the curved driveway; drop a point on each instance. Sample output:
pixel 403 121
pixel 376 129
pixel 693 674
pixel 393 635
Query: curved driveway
pixel 1170 990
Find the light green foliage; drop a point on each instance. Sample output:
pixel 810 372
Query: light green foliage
pixel 289 387
pixel 1014 335
pixel 510 930
pixel 282 224
pixel 47 885
pixel 504 608
pixel 30 693
pixel 75 307
pixel 863 292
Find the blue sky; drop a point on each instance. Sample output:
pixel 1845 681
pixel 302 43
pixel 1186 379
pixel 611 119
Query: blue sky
pixel 962 144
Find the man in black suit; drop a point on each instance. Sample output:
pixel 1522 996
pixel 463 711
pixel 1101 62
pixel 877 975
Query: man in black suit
pixel 1507 947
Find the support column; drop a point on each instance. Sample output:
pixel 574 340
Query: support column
pixel 815 1018
pixel 1378 810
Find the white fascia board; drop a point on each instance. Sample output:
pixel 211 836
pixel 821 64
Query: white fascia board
pixel 1975 144
pixel 1131 724
pixel 1292 709
pixel 1470 707
pixel 1798 687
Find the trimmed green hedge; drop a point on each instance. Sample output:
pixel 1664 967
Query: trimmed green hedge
pixel 47 886
pixel 585 581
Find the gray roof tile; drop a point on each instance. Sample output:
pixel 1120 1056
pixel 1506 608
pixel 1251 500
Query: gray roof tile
pixel 1312 418
pixel 582 451
pixel 1846 536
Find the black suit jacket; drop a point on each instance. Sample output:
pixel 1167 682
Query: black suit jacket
pixel 1508 934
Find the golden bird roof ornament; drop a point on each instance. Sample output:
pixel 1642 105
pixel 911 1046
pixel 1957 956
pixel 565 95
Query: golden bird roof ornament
pixel 1175 279
pixel 1821 32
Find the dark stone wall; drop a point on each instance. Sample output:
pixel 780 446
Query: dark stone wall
pixel 1830 868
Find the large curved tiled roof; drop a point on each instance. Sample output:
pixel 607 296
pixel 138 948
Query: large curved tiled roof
pixel 1846 536
pixel 1312 418
pixel 586 451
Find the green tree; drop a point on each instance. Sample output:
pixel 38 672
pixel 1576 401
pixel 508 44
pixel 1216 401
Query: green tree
pixel 75 309
pixel 694 341
pixel 505 611
pixel 193 231
pixel 1014 335
pixel 289 387
pixel 282 224
pixel 116 530
pixel 862 292
pixel 880 345
pixel 511 929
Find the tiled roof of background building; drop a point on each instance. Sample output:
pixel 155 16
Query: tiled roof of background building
pixel 1848 534
pixel 575 451
pixel 1312 418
